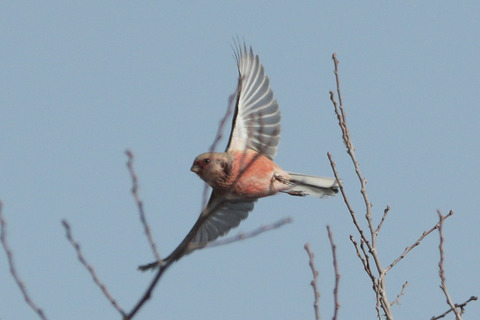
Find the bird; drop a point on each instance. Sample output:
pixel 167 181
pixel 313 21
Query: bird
pixel 246 171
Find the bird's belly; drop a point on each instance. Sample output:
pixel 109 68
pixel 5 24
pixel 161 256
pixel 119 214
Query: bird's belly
pixel 255 179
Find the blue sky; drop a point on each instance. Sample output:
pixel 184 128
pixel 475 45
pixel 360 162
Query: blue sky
pixel 82 82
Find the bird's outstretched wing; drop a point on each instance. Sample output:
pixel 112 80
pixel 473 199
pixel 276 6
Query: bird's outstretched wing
pixel 219 216
pixel 256 120
pixel 222 215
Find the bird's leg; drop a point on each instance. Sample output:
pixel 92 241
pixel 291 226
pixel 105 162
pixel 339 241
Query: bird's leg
pixel 281 179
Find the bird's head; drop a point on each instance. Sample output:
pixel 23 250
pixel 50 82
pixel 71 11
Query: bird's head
pixel 212 167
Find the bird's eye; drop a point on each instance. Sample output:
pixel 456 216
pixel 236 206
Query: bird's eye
pixel 206 161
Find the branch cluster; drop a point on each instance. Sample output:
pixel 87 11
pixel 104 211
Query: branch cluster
pixel 366 249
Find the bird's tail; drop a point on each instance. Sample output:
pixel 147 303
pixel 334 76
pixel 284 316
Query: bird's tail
pixel 303 185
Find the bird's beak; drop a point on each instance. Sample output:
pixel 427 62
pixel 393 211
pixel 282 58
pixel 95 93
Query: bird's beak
pixel 195 168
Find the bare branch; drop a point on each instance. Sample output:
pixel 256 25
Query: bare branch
pixel 363 259
pixel 344 196
pixel 13 270
pixel 337 274
pixel 460 306
pixel 90 268
pixel 409 248
pixel 385 212
pixel 148 293
pixel 400 294
pixel 365 254
pixel 139 203
pixel 368 247
pixel 443 281
pixel 342 119
pixel 378 286
pixel 313 283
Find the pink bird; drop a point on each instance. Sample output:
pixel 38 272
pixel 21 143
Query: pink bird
pixel 245 171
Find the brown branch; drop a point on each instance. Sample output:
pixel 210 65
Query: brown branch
pixel 313 283
pixel 148 293
pixel 13 270
pixel 385 212
pixel 90 268
pixel 337 274
pixel 409 248
pixel 460 306
pixel 344 196
pixel 342 119
pixel 379 286
pixel 139 203
pixel 363 259
pixel 368 247
pixel 365 254
pixel 400 294
pixel 443 281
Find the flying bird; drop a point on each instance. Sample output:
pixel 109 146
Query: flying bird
pixel 246 171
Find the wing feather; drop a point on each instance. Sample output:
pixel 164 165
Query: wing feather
pixel 256 121
pixel 226 216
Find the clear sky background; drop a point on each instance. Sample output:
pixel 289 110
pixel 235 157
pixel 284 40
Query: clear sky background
pixel 80 82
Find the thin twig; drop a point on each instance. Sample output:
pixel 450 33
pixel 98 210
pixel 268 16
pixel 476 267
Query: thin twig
pixel 246 235
pixel 313 283
pixel 139 203
pixel 148 293
pixel 337 274
pixel 365 254
pixel 385 212
pixel 441 272
pixel 378 286
pixel 409 248
pixel 460 306
pixel 400 294
pixel 90 268
pixel 363 259
pixel 13 270
pixel 344 195
pixel 342 117
pixel 342 120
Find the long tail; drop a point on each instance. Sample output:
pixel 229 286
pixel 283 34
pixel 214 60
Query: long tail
pixel 303 185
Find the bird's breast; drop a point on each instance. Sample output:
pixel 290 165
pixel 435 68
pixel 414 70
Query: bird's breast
pixel 252 175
